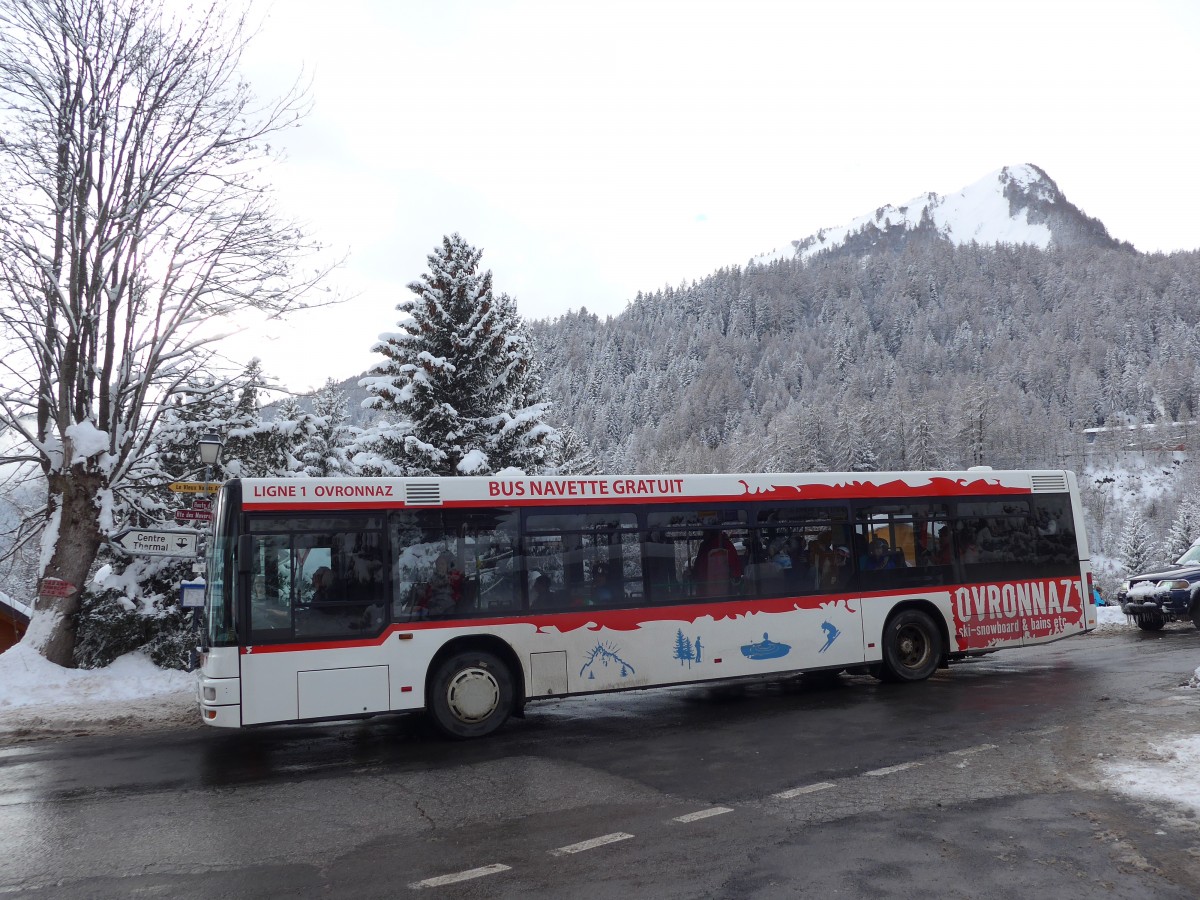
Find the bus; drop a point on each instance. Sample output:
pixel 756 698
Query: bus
pixel 469 597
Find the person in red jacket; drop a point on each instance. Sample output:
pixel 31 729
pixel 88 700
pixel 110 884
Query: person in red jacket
pixel 717 565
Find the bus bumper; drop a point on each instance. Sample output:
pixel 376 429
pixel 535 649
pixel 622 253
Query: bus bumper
pixel 219 700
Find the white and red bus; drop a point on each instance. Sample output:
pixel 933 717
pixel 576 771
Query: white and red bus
pixel 469 597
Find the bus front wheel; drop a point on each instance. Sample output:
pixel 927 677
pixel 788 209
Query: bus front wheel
pixel 912 647
pixel 470 695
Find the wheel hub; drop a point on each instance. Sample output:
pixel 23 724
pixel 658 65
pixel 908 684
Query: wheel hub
pixel 473 695
pixel 912 648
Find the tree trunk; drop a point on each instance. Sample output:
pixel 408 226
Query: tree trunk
pixel 52 630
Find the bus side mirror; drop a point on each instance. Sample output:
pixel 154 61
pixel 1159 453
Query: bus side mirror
pixel 245 553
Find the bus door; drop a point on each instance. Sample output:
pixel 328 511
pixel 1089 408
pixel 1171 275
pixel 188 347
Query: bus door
pixel 317 592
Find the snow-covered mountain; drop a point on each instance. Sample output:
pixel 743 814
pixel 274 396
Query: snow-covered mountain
pixel 1016 205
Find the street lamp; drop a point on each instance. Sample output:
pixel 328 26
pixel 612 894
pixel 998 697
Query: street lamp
pixel 210 448
pixel 210 451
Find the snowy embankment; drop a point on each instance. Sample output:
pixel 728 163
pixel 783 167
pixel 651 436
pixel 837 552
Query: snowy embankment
pixel 40 700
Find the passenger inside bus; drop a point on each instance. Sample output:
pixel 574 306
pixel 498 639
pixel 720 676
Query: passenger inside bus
pixel 444 589
pixel 540 596
pixel 878 556
pixel 602 592
pixel 717 565
pixel 322 587
pixel 840 569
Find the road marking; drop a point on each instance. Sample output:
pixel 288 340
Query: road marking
pixel 968 751
pixel 592 844
pixel 807 789
pixel 441 880
pixel 888 770
pixel 703 814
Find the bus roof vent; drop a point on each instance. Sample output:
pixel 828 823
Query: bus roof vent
pixel 422 493
pixel 1047 484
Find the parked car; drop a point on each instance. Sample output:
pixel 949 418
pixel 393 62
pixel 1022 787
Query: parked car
pixel 1168 594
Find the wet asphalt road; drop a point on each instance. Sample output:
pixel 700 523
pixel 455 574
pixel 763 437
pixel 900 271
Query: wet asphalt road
pixel 979 783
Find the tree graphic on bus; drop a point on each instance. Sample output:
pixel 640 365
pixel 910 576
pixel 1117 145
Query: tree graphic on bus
pixel 687 651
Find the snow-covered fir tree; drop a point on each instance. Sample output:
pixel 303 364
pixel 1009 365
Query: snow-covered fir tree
pixel 567 454
pixel 256 448
pixel 1135 546
pixel 458 386
pixel 1184 530
pixel 324 451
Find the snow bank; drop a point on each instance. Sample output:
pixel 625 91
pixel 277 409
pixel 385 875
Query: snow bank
pixel 39 697
pixel 27 679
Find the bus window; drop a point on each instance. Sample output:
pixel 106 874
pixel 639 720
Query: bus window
pixel 270 588
pixel 994 538
pixel 315 580
pixel 1055 545
pixel 586 559
pixel 799 549
pixel 491 566
pixel 453 563
pixel 903 545
pixel 709 548
pixel 220 610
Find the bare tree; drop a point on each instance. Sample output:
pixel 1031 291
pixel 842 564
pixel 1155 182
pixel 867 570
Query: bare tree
pixel 132 214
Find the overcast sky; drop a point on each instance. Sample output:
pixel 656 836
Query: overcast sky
pixel 592 150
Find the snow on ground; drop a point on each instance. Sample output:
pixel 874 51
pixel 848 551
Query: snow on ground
pixel 40 700
pixel 1169 772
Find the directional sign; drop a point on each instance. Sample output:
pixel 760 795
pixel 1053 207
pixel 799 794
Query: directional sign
pixel 56 587
pixel 201 503
pixel 145 542
pixel 193 515
pixel 194 487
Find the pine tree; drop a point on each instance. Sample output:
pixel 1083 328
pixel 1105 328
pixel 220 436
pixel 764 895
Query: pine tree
pixel 255 448
pixel 567 454
pixel 1184 530
pixel 1135 546
pixel 324 452
pixel 458 384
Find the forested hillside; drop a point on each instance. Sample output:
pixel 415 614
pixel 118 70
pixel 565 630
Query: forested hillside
pixel 935 356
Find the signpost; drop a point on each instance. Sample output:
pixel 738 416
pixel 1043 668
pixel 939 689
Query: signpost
pixel 194 487
pixel 193 515
pixel 148 542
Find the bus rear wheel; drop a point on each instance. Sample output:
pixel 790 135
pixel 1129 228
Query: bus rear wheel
pixel 912 647
pixel 470 695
